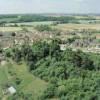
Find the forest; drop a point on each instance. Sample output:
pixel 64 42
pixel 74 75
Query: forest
pixel 71 75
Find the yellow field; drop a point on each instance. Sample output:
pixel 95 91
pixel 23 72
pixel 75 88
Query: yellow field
pixel 78 26
pixel 10 29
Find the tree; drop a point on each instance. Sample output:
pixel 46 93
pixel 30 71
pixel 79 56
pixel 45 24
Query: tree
pixel 17 55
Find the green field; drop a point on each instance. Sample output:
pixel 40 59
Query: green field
pixel 29 83
pixel 33 23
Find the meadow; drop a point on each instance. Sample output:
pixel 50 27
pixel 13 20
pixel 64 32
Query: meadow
pixel 29 83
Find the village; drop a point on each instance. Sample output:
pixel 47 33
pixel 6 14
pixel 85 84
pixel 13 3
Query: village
pixel 73 39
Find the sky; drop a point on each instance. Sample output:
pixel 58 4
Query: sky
pixel 49 6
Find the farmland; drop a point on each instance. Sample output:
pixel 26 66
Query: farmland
pixel 78 26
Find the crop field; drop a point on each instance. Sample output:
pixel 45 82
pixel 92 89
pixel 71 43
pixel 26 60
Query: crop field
pixel 78 26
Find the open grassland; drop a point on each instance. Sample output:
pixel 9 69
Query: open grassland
pixel 3 78
pixel 29 83
pixel 66 27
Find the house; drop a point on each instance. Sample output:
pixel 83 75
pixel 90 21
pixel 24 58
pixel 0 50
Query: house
pixel 11 90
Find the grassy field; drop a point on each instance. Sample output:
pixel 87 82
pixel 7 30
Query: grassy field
pixel 66 27
pixel 3 79
pixel 29 83
pixel 10 29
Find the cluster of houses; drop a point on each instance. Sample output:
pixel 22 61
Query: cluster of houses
pixel 94 49
pixel 86 41
pixel 10 39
